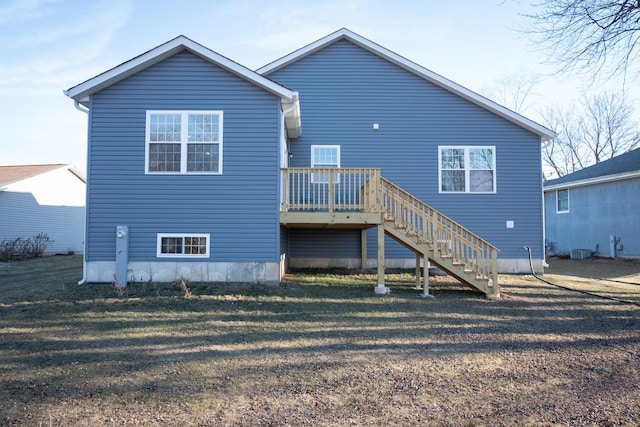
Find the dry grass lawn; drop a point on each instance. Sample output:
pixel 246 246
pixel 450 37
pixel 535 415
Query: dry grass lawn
pixel 319 350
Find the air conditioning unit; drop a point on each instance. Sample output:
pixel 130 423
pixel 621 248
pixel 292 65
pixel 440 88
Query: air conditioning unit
pixel 580 253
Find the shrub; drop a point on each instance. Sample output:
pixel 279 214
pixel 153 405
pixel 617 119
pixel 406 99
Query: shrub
pixel 19 249
pixel 39 243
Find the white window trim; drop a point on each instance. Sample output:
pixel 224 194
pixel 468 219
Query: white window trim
pixel 160 236
pixel 467 168
pixel 568 201
pixel 183 141
pixel 313 161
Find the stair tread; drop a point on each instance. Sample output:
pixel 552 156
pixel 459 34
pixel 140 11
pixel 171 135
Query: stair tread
pixel 440 251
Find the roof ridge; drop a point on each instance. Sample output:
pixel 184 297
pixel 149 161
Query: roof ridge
pixel 412 67
pixel 165 50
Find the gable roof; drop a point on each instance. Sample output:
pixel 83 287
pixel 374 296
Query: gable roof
pixel 624 166
pixel 345 34
pixel 13 174
pixel 289 99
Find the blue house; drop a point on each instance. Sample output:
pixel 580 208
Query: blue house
pixel 596 209
pixel 199 168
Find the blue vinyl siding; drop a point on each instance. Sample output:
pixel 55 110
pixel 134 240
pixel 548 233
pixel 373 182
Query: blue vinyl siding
pixel 345 89
pixel 307 243
pixel 596 212
pixel 238 208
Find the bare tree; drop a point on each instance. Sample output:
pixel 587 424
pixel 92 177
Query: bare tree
pixel 513 90
pixel 608 127
pixel 597 128
pixel 593 36
pixel 564 154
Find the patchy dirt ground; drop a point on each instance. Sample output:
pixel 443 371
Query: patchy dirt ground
pixel 620 269
pixel 318 351
pixel 617 279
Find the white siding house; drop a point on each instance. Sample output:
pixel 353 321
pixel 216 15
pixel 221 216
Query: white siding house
pixel 46 199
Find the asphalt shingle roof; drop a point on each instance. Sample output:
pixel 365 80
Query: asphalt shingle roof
pixel 628 162
pixel 11 174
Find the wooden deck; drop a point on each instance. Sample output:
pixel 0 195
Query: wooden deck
pixel 360 199
pixel 331 198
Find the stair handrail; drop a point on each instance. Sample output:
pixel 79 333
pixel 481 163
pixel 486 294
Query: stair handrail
pixel 448 238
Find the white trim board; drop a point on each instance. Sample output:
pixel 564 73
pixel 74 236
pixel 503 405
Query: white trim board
pixel 544 133
pixel 288 99
pixel 591 181
pixel 82 91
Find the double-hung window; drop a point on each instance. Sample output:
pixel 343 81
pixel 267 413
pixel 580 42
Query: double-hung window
pixel 324 156
pixel 467 169
pixel 562 201
pixel 183 245
pixel 183 142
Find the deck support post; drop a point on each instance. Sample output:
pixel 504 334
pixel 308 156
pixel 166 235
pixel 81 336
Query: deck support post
pixel 418 285
pixel 425 288
pixel 381 288
pixel 494 275
pixel 363 249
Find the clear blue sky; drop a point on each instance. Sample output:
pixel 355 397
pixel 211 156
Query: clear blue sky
pixel 47 46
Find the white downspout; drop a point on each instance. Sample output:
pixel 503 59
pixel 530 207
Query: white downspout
pixel 544 209
pixel 285 152
pixel 84 243
pixel 284 131
pixel 80 107
pixel 283 137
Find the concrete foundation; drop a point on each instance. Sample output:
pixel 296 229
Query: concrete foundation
pixel 244 272
pixel 260 272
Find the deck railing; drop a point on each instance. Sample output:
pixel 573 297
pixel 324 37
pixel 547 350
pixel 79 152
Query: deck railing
pixel 330 189
pixel 450 239
pixel 364 190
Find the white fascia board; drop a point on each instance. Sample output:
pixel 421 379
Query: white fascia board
pixel 544 133
pixel 592 181
pixel 304 51
pixel 82 91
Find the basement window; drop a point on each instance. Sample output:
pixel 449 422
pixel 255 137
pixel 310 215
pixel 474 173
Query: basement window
pixel 183 245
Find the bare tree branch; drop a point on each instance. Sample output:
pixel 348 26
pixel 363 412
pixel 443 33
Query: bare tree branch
pixel 597 128
pixel 513 90
pixel 589 36
pixel 564 154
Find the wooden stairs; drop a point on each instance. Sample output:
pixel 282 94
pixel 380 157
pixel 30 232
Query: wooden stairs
pixel 362 198
pixel 439 239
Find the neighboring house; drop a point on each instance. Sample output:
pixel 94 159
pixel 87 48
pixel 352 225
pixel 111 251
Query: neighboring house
pixel 206 168
pixel 596 209
pixel 46 199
